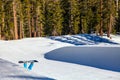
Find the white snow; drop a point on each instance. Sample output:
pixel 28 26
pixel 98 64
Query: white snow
pixel 71 57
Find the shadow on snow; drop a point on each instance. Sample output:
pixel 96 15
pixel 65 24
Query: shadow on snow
pixel 100 57
pixel 82 39
pixel 30 77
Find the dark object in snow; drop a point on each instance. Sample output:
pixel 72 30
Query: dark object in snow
pixel 29 61
pixel 11 71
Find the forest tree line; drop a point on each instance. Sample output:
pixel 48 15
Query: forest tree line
pixel 36 18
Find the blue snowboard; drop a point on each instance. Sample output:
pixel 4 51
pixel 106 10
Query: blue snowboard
pixel 25 64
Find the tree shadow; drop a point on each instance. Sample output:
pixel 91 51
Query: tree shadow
pixel 97 39
pixel 100 57
pixel 82 39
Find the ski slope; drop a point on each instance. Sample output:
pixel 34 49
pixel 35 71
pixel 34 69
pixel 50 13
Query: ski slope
pixel 11 71
pixel 69 57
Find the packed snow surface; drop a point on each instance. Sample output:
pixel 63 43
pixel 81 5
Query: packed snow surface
pixel 11 71
pixel 68 57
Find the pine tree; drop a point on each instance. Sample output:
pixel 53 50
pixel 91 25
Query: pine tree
pixel 65 7
pixel 111 17
pixel 15 19
pixel 20 19
pixel 40 17
pixel 117 27
pixel 35 18
pixel 1 15
pixel 84 15
pixel 57 18
pixel 53 18
pixel 26 18
pixel 48 17
pixel 71 18
pixel 96 16
pixel 101 19
pixel 74 16
pixel 8 29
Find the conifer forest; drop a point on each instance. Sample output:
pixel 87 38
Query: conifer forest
pixel 37 18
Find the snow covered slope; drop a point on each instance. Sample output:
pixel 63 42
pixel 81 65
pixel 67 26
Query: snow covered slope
pixel 11 71
pixel 39 48
pixel 107 58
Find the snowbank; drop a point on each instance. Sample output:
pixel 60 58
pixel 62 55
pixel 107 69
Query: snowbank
pixel 100 57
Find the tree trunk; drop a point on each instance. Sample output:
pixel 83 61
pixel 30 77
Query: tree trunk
pixel 32 25
pixel 70 18
pixel 33 34
pixel 3 22
pixel 15 20
pixel 0 33
pixel 37 28
pixel 41 29
pixel 117 6
pixel 29 16
pixel 83 26
pixel 97 29
pixel 29 24
pixel 101 22
pixel 21 29
pixel 109 26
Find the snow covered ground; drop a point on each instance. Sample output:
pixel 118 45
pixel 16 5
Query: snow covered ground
pixel 70 57
pixel 11 71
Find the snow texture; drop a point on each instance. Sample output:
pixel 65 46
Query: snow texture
pixel 11 71
pixel 68 57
